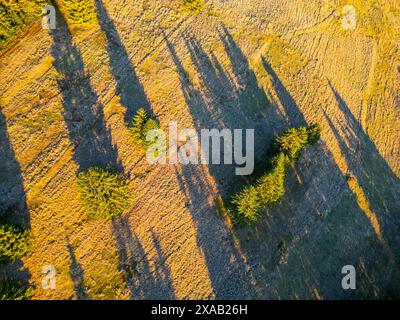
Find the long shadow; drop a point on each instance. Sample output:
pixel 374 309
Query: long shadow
pixel 234 104
pixel 294 116
pixel 294 262
pixel 251 97
pixel 142 282
pixel 221 91
pixel 162 279
pixel 129 88
pixel 83 114
pixel 227 270
pixel 77 275
pixel 376 178
pixel 13 206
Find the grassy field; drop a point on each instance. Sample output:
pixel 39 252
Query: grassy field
pixel 67 100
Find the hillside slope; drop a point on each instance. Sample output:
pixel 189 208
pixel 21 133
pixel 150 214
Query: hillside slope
pixel 68 94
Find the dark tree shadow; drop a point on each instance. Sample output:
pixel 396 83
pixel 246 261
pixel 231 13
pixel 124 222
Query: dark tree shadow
pixel 77 275
pixel 227 270
pixel 294 116
pixel 222 108
pixel 141 280
pixel 251 98
pixel 13 207
pixel 365 163
pixel 233 103
pixel 129 88
pixel 294 262
pixel 162 279
pixel 83 113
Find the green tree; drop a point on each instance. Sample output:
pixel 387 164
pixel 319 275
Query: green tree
pixel 16 16
pixel 247 205
pixel 314 133
pixel 104 194
pixel 270 188
pixel 292 141
pixel 141 125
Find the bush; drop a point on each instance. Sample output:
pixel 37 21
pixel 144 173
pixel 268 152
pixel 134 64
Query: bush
pixel 141 125
pixel 104 194
pixel 14 290
pixel 14 242
pixel 193 6
pixel 270 187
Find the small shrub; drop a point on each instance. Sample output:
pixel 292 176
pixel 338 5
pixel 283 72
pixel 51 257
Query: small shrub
pixel 141 125
pixel 104 194
pixel 14 242
pixel 14 290
pixel 193 6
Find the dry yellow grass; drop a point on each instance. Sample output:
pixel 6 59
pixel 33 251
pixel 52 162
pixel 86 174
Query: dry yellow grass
pixel 278 63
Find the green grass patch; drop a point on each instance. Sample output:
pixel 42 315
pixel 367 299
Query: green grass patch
pixel 14 242
pixel 105 194
pixel 284 56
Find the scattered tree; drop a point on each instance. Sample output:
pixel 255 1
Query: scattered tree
pixel 104 194
pixel 292 141
pixel 270 187
pixel 314 133
pixel 141 125
pixel 16 16
pixel 247 205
